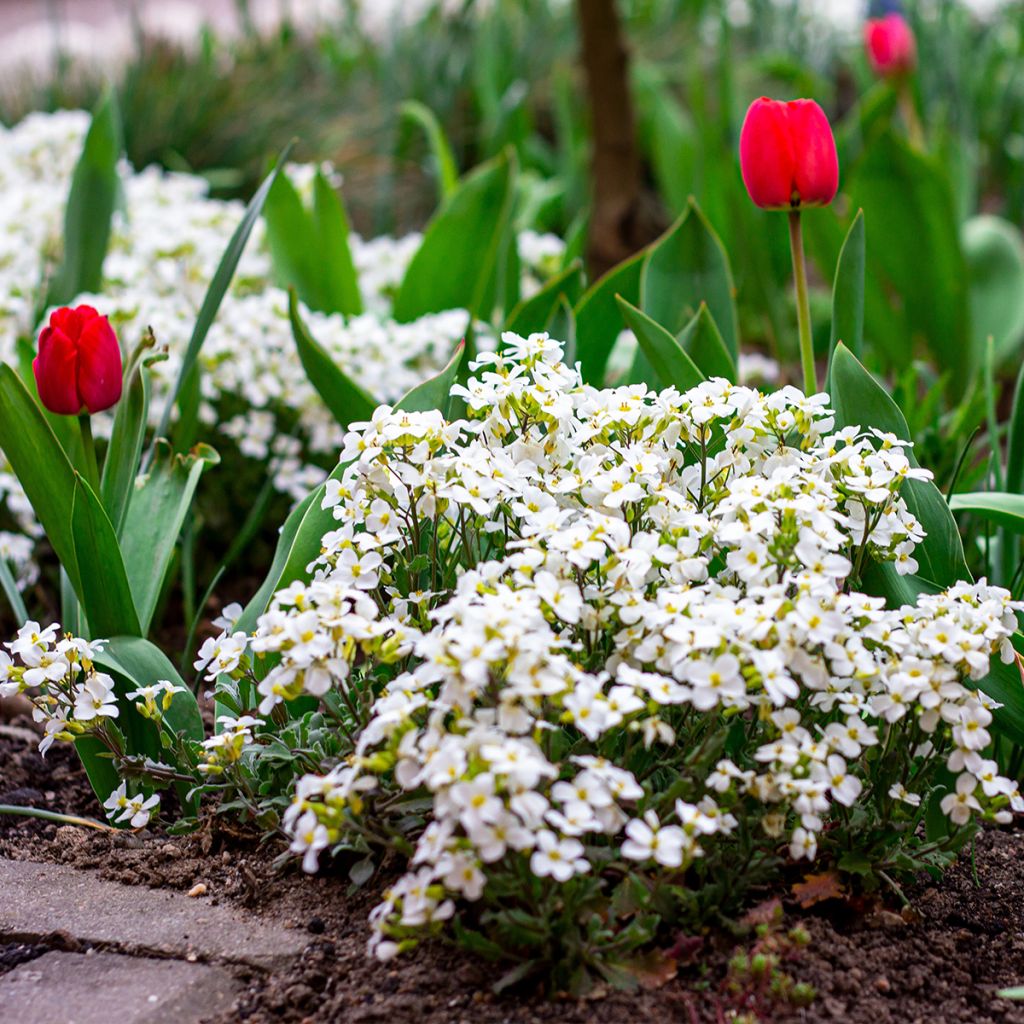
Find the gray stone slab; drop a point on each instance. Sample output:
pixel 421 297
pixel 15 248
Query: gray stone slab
pixel 98 988
pixel 38 899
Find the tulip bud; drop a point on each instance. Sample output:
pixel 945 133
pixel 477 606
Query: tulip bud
pixel 78 368
pixel 890 46
pixel 788 155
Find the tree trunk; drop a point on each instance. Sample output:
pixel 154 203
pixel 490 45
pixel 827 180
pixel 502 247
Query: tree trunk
pixel 621 222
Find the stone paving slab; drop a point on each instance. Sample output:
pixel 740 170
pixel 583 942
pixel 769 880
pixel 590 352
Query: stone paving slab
pixel 98 988
pixel 39 899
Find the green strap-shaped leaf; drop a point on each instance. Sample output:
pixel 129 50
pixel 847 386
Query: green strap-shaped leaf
pixel 90 208
pixel 534 313
pixel 40 464
pixel 105 593
pixel 142 663
pixel 848 291
pixel 682 269
pixel 219 286
pixel 859 400
pixel 995 506
pixel 156 512
pixel 702 342
pixel 331 233
pixel 665 356
pixel 435 392
pixel 444 161
pixel 598 319
pixel 347 400
pixel 291 243
pixel 121 462
pixel 458 264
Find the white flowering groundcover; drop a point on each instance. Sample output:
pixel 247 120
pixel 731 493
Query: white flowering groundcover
pixel 167 238
pixel 593 662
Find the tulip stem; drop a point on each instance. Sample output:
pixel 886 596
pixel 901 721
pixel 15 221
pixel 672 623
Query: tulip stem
pixel 908 108
pixel 803 303
pixel 92 472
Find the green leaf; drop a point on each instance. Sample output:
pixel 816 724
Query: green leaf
pixel 40 464
pixel 444 162
pixel 848 291
pixel 434 392
pixel 598 320
pixel 671 365
pixel 1015 439
pixel 290 240
pixel 219 286
pixel 121 462
pixel 156 513
pixel 685 267
pixel 859 400
pixel 702 342
pixel 105 593
pixel 142 664
pixel 457 266
pixel 331 233
pixel 347 401
pixel 995 506
pixel 534 314
pixel 913 257
pixel 103 777
pixel 994 251
pixel 90 208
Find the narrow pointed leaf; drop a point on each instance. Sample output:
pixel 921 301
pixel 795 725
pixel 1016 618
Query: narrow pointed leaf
pixel 40 464
pixel 859 400
pixel 331 231
pixel 219 286
pixel 90 208
pixel 534 313
pixel 156 513
pixel 435 392
pixel 441 152
pixel 996 506
pixel 670 364
pixel 347 400
pixel 599 320
pixel 848 291
pixel 458 264
pixel 682 269
pixel 105 592
pixel 701 340
pixel 122 459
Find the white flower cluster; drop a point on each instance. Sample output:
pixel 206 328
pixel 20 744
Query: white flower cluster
pixel 578 588
pixel 167 241
pixel 68 694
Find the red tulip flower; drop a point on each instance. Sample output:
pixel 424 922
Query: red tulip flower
pixel 788 155
pixel 788 160
pixel 78 368
pixel 890 46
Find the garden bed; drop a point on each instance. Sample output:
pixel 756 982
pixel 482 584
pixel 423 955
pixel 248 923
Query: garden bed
pixel 941 960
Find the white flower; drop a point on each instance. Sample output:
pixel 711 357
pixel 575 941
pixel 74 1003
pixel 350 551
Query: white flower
pixel 559 858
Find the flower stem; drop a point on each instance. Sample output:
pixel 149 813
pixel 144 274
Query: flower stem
pixel 803 304
pixel 92 473
pixel 908 110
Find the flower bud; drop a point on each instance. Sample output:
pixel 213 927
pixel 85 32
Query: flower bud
pixel 788 155
pixel 890 46
pixel 78 368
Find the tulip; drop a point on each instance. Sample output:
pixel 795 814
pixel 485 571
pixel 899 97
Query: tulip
pixel 890 46
pixel 788 155
pixel 78 369
pixel 78 372
pixel 788 161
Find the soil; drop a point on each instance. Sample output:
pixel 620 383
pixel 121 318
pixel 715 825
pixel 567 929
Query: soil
pixel 940 961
